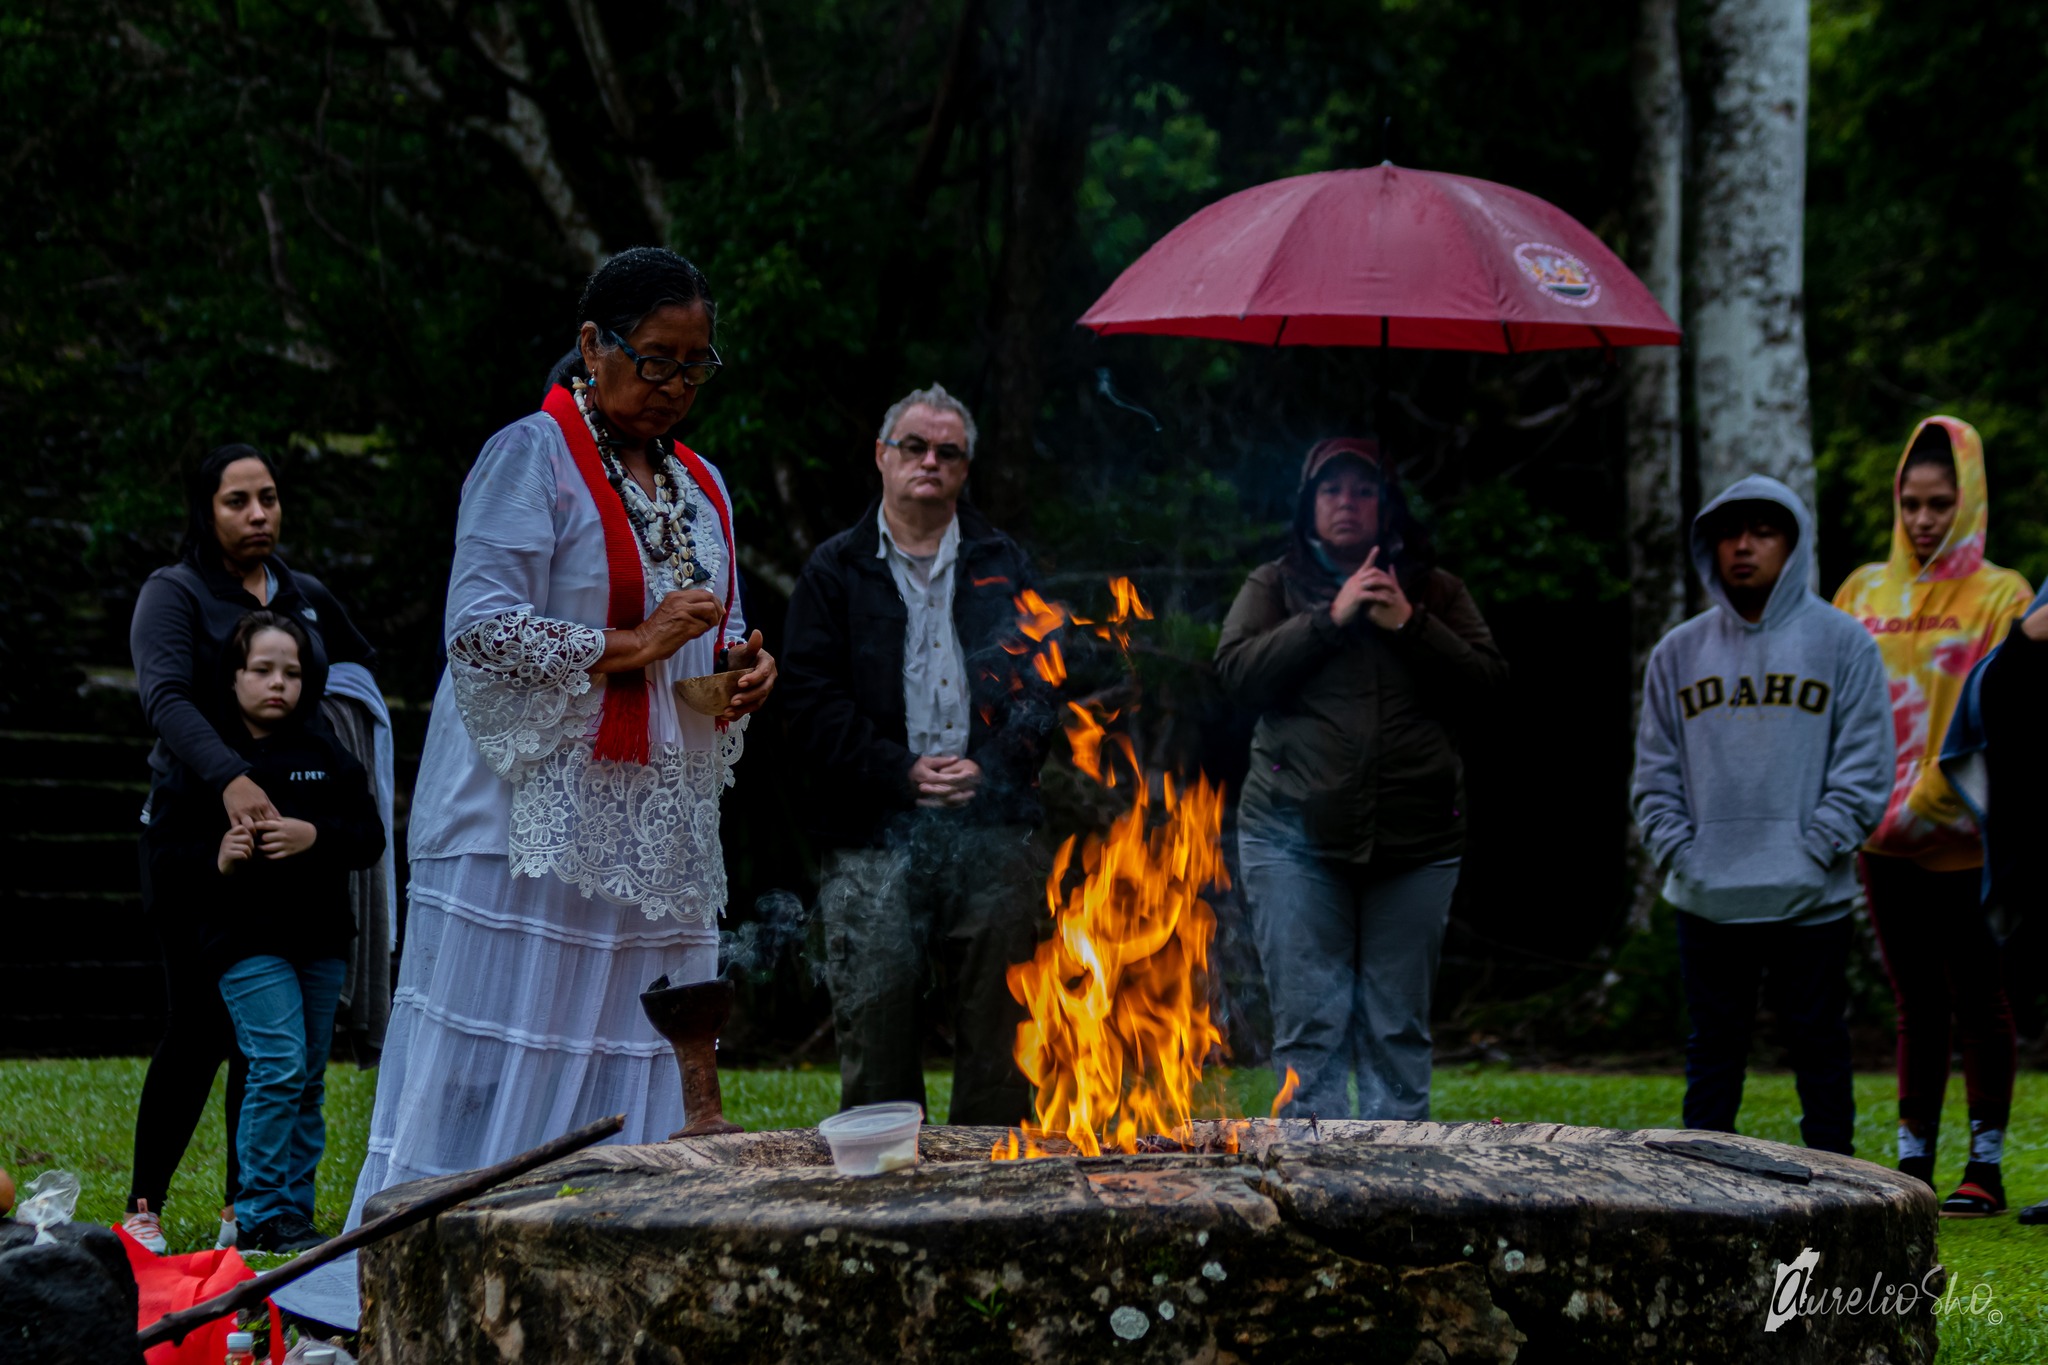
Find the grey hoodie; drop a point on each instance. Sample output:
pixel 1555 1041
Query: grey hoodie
pixel 1764 757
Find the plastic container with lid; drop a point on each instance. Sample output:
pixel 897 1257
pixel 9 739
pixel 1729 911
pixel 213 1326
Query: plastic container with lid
pixel 871 1139
pixel 241 1348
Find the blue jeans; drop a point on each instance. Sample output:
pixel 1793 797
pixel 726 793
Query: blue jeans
pixel 1350 956
pixel 283 1014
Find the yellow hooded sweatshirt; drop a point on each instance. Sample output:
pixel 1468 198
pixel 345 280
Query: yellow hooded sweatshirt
pixel 1932 623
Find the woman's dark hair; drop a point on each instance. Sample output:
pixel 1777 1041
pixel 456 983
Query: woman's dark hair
pixel 624 290
pixel 1405 543
pixel 200 539
pixel 253 625
pixel 1931 447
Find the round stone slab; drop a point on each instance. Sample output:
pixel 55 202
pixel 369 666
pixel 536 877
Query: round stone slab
pixel 1408 1243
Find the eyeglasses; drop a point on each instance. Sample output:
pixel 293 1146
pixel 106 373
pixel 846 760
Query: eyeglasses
pixel 916 448
pixel 659 369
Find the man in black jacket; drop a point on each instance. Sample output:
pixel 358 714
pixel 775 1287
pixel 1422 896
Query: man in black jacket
pixel 924 740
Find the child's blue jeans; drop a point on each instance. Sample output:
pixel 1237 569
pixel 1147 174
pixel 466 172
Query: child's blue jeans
pixel 284 1023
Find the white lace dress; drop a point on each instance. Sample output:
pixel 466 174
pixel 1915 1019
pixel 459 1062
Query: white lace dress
pixel 548 890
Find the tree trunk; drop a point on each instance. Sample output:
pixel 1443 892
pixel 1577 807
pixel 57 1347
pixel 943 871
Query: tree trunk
pixel 1063 45
pixel 1657 558
pixel 1747 320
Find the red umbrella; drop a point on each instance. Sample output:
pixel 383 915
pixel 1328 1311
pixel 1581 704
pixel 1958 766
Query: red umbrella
pixel 1385 257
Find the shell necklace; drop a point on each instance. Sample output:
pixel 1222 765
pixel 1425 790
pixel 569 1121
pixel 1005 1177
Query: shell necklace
pixel 663 521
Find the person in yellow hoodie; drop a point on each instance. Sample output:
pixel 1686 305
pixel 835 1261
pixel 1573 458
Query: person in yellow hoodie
pixel 1935 608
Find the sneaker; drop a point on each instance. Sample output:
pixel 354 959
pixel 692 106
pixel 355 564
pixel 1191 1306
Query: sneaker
pixel 143 1226
pixel 288 1232
pixel 227 1229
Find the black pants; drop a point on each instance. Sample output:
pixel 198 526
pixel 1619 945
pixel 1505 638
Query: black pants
pixel 932 922
pixel 1803 974
pixel 1945 971
pixel 198 1037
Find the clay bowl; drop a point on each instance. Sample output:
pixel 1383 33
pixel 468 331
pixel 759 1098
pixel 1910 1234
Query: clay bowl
pixel 711 694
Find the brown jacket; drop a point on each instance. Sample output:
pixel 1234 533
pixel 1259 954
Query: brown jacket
pixel 1355 747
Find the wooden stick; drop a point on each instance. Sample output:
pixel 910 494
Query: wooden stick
pixel 175 1326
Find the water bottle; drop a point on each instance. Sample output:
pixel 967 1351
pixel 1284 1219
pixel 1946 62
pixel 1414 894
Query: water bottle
pixel 241 1348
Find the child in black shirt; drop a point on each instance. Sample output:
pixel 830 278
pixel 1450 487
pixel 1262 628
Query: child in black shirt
pixel 272 904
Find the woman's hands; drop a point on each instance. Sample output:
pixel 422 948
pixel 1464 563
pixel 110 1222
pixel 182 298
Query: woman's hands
pixel 1374 591
pixel 246 802
pixel 2035 627
pixel 758 680
pixel 678 619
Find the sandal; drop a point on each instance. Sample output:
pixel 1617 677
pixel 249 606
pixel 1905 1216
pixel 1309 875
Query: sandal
pixel 1971 1200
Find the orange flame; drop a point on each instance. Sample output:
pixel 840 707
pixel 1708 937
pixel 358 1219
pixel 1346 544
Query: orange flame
pixel 1120 1023
pixel 1051 665
pixel 1038 618
pixel 1129 606
pixel 1086 736
pixel 1287 1089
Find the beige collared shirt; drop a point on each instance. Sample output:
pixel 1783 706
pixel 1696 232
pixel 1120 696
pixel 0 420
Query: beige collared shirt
pixel 935 706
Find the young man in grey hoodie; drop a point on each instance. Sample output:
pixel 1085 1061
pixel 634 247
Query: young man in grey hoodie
pixel 1763 761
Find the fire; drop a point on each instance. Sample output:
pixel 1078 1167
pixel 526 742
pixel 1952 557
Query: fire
pixel 1118 996
pixel 1051 665
pixel 1287 1089
pixel 1036 617
pixel 1120 1023
pixel 1086 736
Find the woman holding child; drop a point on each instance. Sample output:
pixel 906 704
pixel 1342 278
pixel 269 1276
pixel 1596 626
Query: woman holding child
pixel 564 836
pixel 185 618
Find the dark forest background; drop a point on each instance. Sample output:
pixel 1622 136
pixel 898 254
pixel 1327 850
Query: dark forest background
pixel 354 234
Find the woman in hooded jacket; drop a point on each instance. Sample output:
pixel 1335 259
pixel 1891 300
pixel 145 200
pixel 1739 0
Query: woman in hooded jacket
pixel 1358 656
pixel 1936 607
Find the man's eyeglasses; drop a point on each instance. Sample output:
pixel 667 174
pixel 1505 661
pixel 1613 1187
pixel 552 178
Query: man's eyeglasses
pixel 916 447
pixel 659 369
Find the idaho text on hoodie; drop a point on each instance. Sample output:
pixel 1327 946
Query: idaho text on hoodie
pixel 1933 622
pixel 1765 750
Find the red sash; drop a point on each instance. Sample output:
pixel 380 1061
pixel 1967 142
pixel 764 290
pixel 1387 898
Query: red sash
pixel 622 723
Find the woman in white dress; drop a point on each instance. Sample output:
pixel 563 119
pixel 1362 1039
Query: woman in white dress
pixel 564 838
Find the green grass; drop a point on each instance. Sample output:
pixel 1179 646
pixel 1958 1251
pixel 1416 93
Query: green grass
pixel 77 1115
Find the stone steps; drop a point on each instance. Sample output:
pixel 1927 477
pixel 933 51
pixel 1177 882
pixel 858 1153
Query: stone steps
pixel 85 977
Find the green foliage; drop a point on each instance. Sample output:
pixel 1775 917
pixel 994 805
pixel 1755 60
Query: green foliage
pixel 1923 206
pixel 1517 551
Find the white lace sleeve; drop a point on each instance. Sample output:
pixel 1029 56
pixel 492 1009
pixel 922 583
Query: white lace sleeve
pixel 732 742
pixel 522 685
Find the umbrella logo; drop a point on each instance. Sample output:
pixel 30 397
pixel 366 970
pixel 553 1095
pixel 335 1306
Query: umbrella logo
pixel 1558 273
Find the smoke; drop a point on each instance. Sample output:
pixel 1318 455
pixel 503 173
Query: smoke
pixel 758 947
